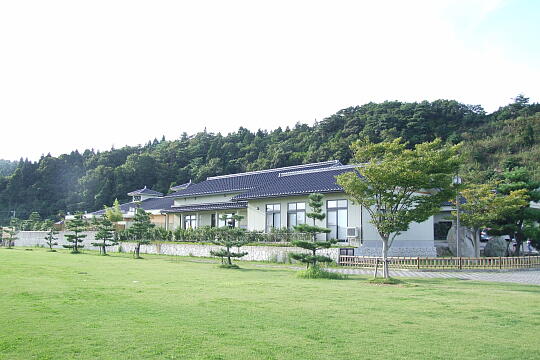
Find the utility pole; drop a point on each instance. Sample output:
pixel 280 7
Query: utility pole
pixel 457 181
pixel 457 225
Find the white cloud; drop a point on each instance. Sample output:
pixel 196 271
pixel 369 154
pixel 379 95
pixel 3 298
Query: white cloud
pixel 82 75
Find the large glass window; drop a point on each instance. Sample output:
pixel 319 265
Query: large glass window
pixel 336 219
pixel 190 221
pixel 296 214
pixel 273 216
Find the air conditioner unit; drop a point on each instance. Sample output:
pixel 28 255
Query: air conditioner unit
pixel 352 232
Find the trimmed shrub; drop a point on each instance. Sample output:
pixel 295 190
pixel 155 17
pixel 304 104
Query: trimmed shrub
pixel 315 272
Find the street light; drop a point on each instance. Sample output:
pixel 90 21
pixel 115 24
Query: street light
pixel 457 181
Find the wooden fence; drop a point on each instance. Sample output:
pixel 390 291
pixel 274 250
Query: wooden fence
pixel 456 263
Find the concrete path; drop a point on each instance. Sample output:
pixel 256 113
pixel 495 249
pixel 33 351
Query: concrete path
pixel 529 277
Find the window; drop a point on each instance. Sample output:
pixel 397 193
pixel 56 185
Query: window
pixel 213 220
pixel 230 222
pixel 273 216
pixel 137 198
pixel 336 219
pixel 441 229
pixel 296 214
pixel 190 221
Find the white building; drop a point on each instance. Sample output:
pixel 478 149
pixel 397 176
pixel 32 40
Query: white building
pixel 278 198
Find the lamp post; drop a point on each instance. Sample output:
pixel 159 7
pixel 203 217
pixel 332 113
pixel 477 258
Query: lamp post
pixel 457 181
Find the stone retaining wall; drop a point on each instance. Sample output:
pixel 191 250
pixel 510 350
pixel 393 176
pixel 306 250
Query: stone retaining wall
pixel 37 238
pixel 255 253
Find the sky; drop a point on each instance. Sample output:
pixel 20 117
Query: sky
pixel 97 74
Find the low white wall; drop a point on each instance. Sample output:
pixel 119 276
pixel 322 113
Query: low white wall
pixel 255 253
pixel 37 238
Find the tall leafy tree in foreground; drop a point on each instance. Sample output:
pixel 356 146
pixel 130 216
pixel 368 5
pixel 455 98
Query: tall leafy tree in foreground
pixel 104 235
pixel 228 237
pixel 315 204
pixel 50 238
pixel 523 222
pixel 483 207
pixel 398 186
pixel 77 226
pixel 140 231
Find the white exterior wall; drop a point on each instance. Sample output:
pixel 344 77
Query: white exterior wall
pixel 417 241
pixel 257 210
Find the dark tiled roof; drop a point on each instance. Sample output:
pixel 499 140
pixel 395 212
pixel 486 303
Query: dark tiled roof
pixel 145 191
pixel 245 181
pixel 212 206
pixel 148 204
pixel 181 186
pixel 298 183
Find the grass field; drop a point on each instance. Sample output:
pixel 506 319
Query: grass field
pixel 63 306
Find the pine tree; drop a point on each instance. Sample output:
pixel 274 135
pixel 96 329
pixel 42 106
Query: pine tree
pixel 77 226
pixel 315 203
pixel 139 231
pixel 229 237
pixel 10 239
pixel 105 233
pixel 50 239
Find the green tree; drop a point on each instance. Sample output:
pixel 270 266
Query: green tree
pixel 114 214
pixel 77 226
pixel 46 225
pixel 484 206
pixel 50 238
pixel 228 237
pixel 398 186
pixel 522 223
pixel 34 221
pixel 315 204
pixel 105 233
pixel 10 238
pixel 140 231
pixel 16 223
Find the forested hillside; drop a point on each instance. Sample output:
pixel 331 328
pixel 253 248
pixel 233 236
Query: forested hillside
pixel 511 138
pixel 88 180
pixel 7 167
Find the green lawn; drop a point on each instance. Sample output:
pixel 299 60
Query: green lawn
pixel 63 306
